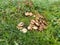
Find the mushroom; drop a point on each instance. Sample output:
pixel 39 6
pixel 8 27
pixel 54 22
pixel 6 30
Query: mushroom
pixel 41 27
pixel 24 30
pixel 21 24
pixel 30 27
pixel 28 14
pixel 32 21
pixel 36 23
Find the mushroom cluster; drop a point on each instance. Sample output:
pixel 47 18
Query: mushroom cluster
pixel 38 23
pixel 21 27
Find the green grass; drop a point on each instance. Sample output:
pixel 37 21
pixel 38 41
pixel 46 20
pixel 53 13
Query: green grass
pixel 10 16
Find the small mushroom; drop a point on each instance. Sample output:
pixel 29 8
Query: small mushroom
pixel 24 30
pixel 29 27
pixel 20 25
pixel 41 27
pixel 32 21
pixel 28 14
